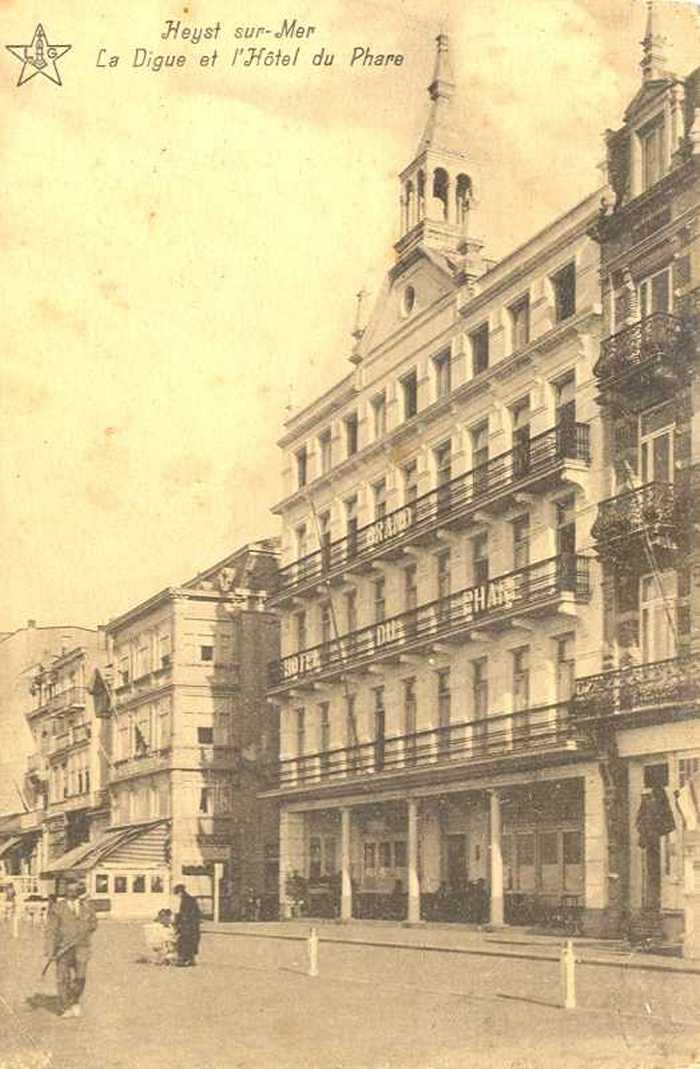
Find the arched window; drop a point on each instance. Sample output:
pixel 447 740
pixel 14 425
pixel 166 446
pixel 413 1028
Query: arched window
pixel 441 184
pixel 463 196
pixel 420 195
pixel 410 206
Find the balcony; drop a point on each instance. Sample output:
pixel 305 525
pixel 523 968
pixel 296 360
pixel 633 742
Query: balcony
pixel 37 767
pixel 510 736
pixel 539 463
pixel 534 590
pixel 630 522
pixel 141 765
pixel 60 702
pixel 663 687
pixel 645 359
pixel 74 736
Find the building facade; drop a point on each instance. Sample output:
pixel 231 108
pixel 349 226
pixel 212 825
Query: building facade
pixel 644 706
pixel 66 779
pixel 190 733
pixel 444 596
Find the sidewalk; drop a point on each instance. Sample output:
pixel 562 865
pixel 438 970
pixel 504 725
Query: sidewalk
pixel 517 943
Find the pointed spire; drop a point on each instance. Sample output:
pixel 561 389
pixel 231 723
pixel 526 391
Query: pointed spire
pixel 653 55
pixel 440 132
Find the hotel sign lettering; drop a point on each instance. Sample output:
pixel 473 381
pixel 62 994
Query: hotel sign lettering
pixel 300 663
pixel 390 526
pixel 496 594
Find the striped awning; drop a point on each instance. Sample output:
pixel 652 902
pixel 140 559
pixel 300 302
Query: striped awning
pixel 82 858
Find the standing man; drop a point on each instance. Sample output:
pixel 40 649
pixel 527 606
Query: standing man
pixel 68 936
pixel 187 921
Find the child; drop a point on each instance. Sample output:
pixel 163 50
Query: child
pixel 161 938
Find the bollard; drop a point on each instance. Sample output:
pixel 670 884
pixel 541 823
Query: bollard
pixel 313 953
pixel 15 923
pixel 568 978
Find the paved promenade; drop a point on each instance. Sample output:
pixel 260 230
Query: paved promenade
pixel 250 1004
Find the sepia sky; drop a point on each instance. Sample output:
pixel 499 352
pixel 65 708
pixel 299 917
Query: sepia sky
pixel 181 250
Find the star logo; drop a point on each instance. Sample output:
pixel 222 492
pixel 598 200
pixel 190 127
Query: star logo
pixel 39 57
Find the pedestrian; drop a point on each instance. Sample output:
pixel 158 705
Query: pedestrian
pixel 187 921
pixel 10 900
pixel 68 936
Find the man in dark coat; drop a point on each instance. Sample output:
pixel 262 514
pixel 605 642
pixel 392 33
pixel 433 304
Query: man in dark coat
pixel 69 931
pixel 187 920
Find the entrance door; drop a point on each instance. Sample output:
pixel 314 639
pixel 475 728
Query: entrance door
pixel 456 862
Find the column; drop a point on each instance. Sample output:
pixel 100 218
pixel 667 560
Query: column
pixel 292 857
pixel 413 879
pixel 345 879
pixel 496 859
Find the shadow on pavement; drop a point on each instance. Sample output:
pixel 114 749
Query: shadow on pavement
pixel 45 1002
pixel 532 1001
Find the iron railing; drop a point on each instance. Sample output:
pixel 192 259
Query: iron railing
pixel 655 337
pixel 651 507
pixel 508 734
pixel 642 686
pixel 73 697
pixel 533 459
pixel 522 590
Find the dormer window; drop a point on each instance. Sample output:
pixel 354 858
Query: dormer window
pixel 651 140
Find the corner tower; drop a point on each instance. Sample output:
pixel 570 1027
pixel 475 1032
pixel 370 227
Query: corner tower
pixel 437 187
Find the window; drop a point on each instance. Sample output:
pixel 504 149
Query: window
pixel 480 687
pixel 379 414
pixel 302 466
pixel 351 434
pixel 351 525
pixel 521 542
pixel 120 885
pixel 325 449
pixel 410 482
pixel 480 456
pixel 400 854
pixel 157 885
pixel 410 587
pixel 101 884
pixel 138 885
pixel 521 678
pixel 206 653
pixel 409 720
pixel 520 323
pixel 379 589
pixel 326 620
pixel 655 293
pixel 385 855
pixel 565 661
pixel 656 434
pixel 564 288
pixel 444 709
pixel 205 800
pixel 301 732
pixel 379 494
pixel 324 534
pixel 324 734
pixel 443 472
pixel 651 142
pixel 444 577
pixel 442 364
pixel 520 418
pixel 565 400
pixel 566 541
pixel 300 623
pixel 351 737
pixel 480 559
pixel 379 728
pixel 301 540
pixel 409 389
pixel 164 648
pixel 351 610
pixel 479 341
pixel 657 603
pixel 687 768
pixel 205 736
pixel 123 671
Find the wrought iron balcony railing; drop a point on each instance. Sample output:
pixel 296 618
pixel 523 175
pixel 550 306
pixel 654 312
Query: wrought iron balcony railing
pixel 72 698
pixel 649 510
pixel 657 337
pixel 535 459
pixel 638 688
pixel 521 591
pixel 527 731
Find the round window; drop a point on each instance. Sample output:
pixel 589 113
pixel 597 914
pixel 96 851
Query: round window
pixel 408 300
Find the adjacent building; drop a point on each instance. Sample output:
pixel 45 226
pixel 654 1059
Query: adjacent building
pixel 453 672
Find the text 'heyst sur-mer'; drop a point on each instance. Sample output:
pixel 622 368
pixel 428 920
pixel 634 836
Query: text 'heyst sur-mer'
pixel 263 51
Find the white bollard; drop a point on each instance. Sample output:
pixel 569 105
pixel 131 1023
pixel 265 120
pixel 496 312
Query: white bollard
pixel 15 923
pixel 568 977
pixel 313 953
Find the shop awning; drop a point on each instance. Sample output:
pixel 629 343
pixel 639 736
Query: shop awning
pixel 82 858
